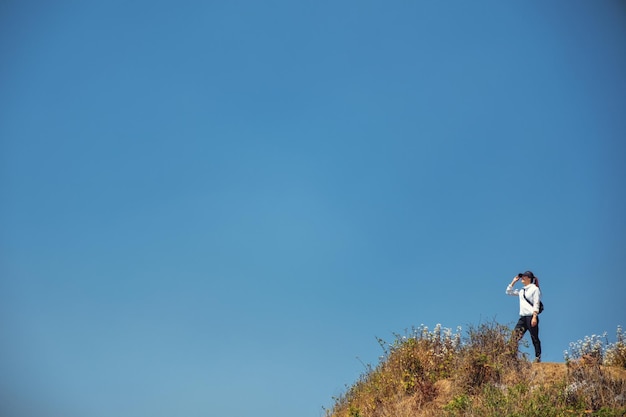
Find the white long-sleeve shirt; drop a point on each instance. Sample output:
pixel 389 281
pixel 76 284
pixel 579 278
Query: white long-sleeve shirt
pixel 533 294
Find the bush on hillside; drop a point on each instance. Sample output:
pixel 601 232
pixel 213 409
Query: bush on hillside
pixel 597 349
pixel 487 355
pixel 410 366
pixel 590 382
pixel 615 353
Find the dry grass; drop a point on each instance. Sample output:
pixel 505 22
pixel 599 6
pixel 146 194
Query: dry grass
pixel 548 372
pixel 434 373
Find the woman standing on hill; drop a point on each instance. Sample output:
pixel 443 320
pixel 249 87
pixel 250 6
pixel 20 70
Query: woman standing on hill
pixel 529 299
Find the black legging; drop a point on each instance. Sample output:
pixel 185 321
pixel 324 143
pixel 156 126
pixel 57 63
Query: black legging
pixel 522 325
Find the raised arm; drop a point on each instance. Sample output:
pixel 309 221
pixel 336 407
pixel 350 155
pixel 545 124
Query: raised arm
pixel 509 288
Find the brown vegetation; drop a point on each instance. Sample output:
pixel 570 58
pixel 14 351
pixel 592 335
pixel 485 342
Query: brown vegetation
pixel 434 373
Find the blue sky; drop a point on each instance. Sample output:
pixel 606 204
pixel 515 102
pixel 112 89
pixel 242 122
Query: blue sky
pixel 213 208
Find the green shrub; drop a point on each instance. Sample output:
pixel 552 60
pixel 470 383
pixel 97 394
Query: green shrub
pixel 458 405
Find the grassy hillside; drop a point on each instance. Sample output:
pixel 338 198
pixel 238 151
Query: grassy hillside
pixel 441 373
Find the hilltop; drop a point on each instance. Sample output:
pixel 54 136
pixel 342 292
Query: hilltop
pixel 438 373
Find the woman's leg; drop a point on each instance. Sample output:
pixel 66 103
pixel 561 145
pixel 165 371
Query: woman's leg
pixel 534 335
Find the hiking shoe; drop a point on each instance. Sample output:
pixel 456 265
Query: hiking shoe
pixel 538 359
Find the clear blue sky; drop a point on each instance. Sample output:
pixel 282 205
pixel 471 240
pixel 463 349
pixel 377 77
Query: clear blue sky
pixel 213 208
